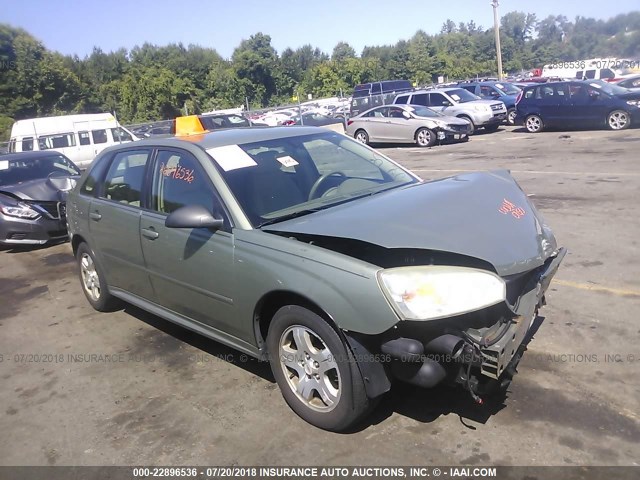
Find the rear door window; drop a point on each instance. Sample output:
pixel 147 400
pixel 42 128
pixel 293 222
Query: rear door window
pixel 124 179
pixel 607 73
pixel 83 138
pixel 420 99
pixel 402 100
pixel 437 100
pixel 27 144
pixel 99 136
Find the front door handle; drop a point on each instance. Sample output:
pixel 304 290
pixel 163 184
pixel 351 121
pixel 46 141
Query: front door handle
pixel 150 233
pixel 95 216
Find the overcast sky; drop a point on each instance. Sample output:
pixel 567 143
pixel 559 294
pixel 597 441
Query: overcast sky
pixel 75 27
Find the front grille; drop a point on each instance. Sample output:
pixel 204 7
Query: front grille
pixel 496 107
pixel 459 128
pixel 55 210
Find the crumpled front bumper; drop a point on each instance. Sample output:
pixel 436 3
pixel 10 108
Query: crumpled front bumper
pixel 496 357
pixel 19 231
pixel 473 349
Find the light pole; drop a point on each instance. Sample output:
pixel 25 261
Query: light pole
pixel 496 28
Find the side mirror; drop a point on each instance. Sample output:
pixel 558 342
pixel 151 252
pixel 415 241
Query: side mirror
pixel 193 216
pixel 446 103
pixel 406 114
pixel 594 94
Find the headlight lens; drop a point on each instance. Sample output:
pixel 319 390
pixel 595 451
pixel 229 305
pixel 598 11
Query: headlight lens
pixel 635 103
pixel 21 210
pixel 431 292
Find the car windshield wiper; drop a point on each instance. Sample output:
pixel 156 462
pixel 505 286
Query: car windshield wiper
pixel 289 216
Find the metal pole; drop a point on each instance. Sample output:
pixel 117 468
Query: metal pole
pixel 496 27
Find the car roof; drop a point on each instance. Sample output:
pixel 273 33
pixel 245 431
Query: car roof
pixel 30 155
pixel 231 136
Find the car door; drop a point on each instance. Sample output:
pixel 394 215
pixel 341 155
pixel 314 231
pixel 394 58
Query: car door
pixel 376 125
pixel 114 222
pixel 590 105
pixel 400 129
pixel 553 104
pixel 191 270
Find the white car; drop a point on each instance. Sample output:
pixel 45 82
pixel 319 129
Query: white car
pixel 458 102
pixel 407 124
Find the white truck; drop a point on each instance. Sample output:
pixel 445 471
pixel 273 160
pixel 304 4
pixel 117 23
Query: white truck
pixel 79 137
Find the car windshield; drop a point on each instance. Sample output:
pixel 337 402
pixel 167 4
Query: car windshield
pixel 420 111
pixel 607 87
pixel 17 170
pixel 508 88
pixel 279 178
pixel 460 95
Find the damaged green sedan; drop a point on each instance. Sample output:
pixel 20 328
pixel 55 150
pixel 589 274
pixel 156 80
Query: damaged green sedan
pixel 305 248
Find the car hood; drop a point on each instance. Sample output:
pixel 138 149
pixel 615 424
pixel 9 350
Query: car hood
pixel 53 189
pixel 483 215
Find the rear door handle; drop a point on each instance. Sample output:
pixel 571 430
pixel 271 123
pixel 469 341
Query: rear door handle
pixel 150 233
pixel 95 216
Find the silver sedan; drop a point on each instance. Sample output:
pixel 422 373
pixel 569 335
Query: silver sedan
pixel 407 124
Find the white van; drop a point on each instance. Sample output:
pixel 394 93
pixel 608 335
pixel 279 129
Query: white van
pixel 79 137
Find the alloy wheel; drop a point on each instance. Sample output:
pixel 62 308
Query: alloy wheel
pixel 310 368
pixel 90 279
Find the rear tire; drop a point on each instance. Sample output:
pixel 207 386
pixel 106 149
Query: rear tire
pixel 94 285
pixel 362 137
pixel 425 137
pixel 533 124
pixel 315 371
pixel 618 120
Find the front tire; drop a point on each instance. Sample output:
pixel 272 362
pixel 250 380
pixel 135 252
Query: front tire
pixel 93 282
pixel 533 124
pixel 425 137
pixel 511 116
pixel 618 120
pixel 317 376
pixel 362 137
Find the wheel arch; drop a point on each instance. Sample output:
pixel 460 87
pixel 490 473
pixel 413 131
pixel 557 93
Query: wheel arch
pixel 272 301
pixel 376 378
pixel 76 240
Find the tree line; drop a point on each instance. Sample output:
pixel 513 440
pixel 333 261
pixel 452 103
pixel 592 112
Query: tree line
pixel 152 82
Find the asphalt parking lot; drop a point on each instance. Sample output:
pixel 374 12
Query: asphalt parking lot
pixel 84 388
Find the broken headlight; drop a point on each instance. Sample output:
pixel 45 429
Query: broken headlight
pixel 21 210
pixel 431 292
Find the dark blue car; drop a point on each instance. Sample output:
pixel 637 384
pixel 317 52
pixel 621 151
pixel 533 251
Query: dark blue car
pixel 577 104
pixel 506 92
